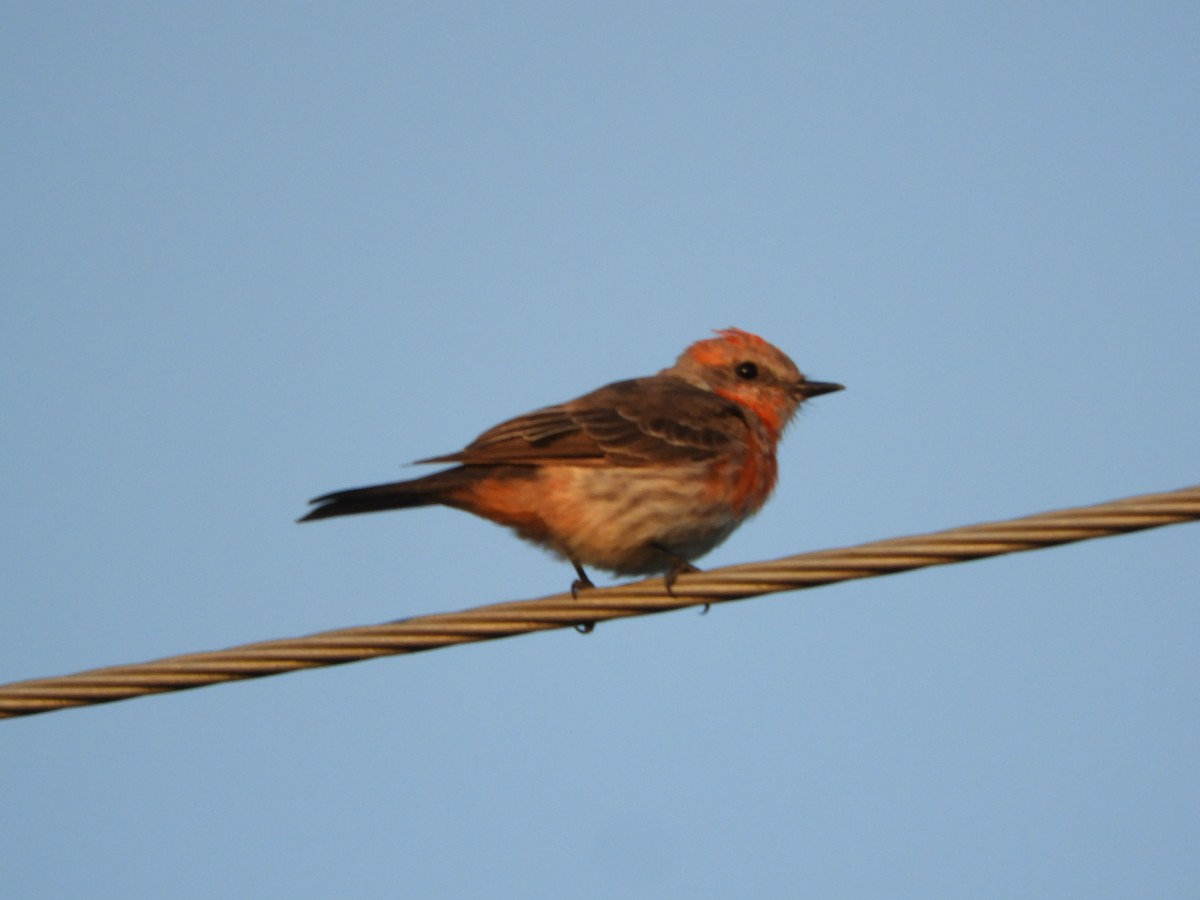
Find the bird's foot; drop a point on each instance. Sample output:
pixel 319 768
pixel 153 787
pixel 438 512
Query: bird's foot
pixel 576 586
pixel 678 566
pixel 674 572
pixel 581 582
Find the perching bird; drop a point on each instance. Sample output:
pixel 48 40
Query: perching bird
pixel 640 477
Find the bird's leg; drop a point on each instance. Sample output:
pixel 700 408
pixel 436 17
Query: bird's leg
pixel 581 582
pixel 576 586
pixel 678 566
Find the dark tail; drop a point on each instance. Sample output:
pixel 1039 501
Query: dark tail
pixel 427 491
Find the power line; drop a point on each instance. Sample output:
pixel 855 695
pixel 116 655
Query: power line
pixel 499 620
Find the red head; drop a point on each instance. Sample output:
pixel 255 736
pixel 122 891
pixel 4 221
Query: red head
pixel 745 369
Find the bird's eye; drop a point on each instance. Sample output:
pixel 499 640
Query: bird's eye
pixel 747 371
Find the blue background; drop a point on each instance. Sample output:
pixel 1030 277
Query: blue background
pixel 254 252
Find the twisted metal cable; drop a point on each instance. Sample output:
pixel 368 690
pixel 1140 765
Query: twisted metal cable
pixel 519 617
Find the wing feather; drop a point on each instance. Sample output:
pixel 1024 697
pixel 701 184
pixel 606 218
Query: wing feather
pixel 643 422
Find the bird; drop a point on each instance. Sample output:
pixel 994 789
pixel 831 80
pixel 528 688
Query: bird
pixel 637 478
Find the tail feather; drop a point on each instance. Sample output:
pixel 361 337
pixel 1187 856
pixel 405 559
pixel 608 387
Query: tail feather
pixel 427 491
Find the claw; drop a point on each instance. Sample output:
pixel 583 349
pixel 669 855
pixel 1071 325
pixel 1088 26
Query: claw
pixel 576 586
pixel 678 566
pixel 581 582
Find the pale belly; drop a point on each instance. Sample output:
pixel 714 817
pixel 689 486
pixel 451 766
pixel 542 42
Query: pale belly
pixel 616 519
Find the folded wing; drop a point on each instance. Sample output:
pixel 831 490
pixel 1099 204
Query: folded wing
pixel 642 422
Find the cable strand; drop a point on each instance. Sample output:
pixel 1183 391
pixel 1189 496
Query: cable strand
pixel 508 619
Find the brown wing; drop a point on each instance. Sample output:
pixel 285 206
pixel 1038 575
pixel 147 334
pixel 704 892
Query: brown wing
pixel 643 422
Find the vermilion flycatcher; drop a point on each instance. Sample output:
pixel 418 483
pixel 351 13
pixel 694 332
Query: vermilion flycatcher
pixel 640 477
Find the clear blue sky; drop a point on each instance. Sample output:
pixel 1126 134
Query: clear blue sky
pixel 254 252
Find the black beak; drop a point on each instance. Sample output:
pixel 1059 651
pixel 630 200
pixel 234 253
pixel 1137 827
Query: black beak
pixel 808 389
